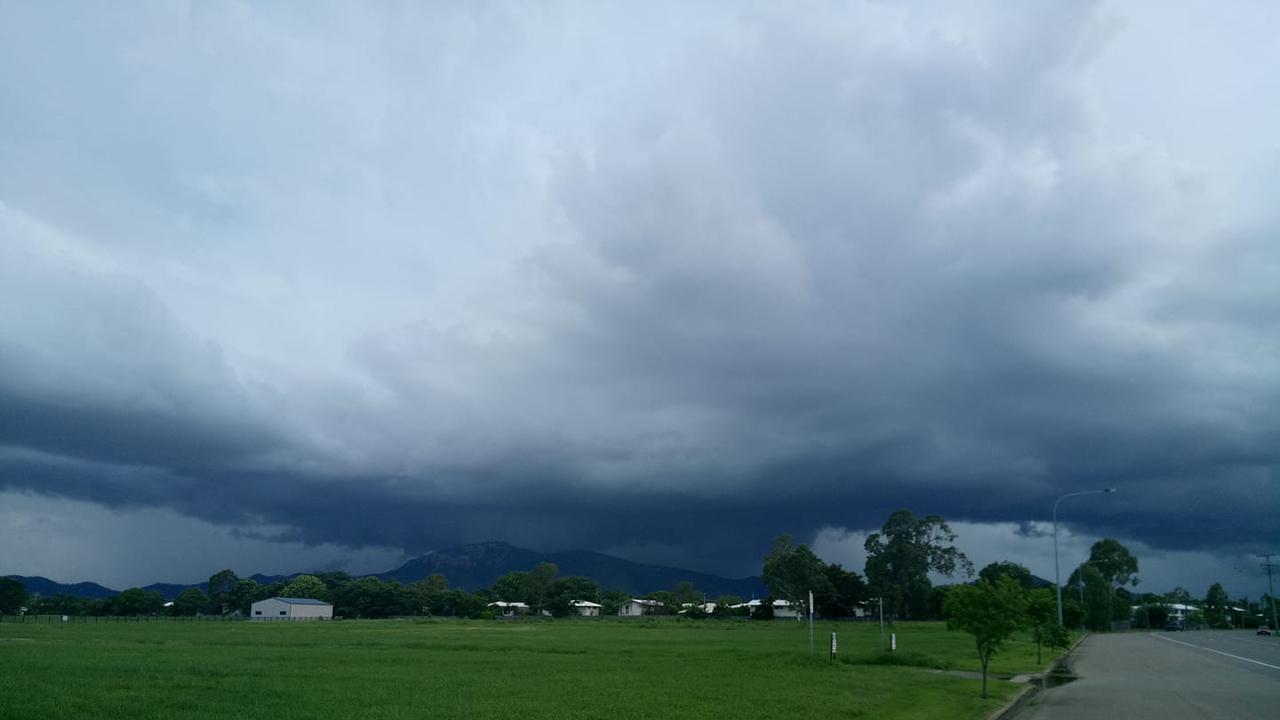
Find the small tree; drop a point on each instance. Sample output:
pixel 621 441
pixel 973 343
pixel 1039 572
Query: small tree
pixel 990 613
pixel 1043 622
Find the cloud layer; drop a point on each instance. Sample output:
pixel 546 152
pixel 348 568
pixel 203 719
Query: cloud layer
pixel 666 282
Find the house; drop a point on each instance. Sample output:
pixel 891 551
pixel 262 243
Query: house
pixel 782 609
pixel 706 607
pixel 509 609
pixel 636 607
pixel 586 608
pixel 282 608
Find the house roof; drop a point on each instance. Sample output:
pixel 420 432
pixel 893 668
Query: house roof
pixel 300 601
pixel 585 603
pixel 647 603
pixel 501 603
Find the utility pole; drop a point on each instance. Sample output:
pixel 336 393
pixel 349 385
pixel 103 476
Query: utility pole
pixel 1271 589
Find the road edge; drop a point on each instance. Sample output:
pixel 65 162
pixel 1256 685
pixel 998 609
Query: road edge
pixel 1016 703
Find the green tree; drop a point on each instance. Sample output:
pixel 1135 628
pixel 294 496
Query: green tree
pixel 990 613
pixel 1042 620
pixel 566 590
pixel 1019 573
pixel 1217 607
pixel 686 593
pixel 428 595
pixel 189 602
pixel 792 571
pixel 13 596
pixel 1117 565
pixel 136 601
pixel 512 587
pixel 538 584
pixel 221 585
pixel 1179 595
pixel 847 590
pixel 1098 598
pixel 904 552
pixel 612 601
pixel 306 586
pixel 1153 615
pixel 242 596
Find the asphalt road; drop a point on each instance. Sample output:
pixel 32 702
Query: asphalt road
pixel 1168 676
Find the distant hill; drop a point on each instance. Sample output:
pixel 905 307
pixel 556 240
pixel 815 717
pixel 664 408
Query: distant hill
pixel 479 565
pixel 476 566
pixel 45 587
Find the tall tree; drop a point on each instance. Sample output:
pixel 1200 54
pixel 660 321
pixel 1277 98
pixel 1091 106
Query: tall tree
pixel 991 613
pixel 13 596
pixel 1217 607
pixel 538 584
pixel 512 587
pixel 847 590
pixel 221 585
pixel 687 593
pixel 1098 598
pixel 1118 566
pixel 792 571
pixel 904 552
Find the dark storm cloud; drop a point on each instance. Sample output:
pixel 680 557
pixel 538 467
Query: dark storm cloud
pixel 757 273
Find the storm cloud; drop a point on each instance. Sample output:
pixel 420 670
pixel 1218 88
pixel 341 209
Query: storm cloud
pixel 664 282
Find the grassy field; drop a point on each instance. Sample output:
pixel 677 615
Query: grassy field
pixel 605 668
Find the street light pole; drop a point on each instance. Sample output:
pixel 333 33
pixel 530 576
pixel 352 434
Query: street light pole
pixel 1057 582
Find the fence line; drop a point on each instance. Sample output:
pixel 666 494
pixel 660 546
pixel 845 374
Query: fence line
pixel 60 619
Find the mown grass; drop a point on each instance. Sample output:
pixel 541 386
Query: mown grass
pixel 583 668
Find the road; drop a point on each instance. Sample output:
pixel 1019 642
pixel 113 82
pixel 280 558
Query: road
pixel 1168 676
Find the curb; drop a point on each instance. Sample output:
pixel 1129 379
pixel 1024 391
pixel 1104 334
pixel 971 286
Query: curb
pixel 1011 708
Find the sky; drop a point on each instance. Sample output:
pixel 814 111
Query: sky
pixel 287 286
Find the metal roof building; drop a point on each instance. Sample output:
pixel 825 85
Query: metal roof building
pixel 281 608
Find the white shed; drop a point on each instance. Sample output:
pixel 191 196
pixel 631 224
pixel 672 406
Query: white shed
pixel 510 609
pixel 282 608
pixel 636 607
pixel 586 608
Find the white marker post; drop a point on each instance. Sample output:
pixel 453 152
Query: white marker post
pixel 833 647
pixel 893 642
pixel 811 650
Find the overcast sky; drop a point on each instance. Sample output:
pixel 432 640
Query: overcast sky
pixel 299 285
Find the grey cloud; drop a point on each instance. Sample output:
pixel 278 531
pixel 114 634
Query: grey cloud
pixel 476 276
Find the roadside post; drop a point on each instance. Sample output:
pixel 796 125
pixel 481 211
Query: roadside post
pixel 893 642
pixel 811 650
pixel 833 647
pixel 881 599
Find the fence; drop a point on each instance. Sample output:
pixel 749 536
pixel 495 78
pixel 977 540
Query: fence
pixel 59 619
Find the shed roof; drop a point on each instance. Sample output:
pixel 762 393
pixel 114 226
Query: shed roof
pixel 301 601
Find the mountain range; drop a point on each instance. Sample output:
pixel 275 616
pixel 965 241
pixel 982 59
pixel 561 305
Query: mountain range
pixel 476 566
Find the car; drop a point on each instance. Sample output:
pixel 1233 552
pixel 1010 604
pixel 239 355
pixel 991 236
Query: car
pixel 1264 630
pixel 1173 626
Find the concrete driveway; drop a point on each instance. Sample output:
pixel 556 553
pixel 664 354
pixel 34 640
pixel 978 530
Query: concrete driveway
pixel 1168 676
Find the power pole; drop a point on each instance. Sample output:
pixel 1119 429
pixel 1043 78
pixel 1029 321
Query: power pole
pixel 1271 589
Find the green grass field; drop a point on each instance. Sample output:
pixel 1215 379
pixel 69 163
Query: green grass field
pixel 581 668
